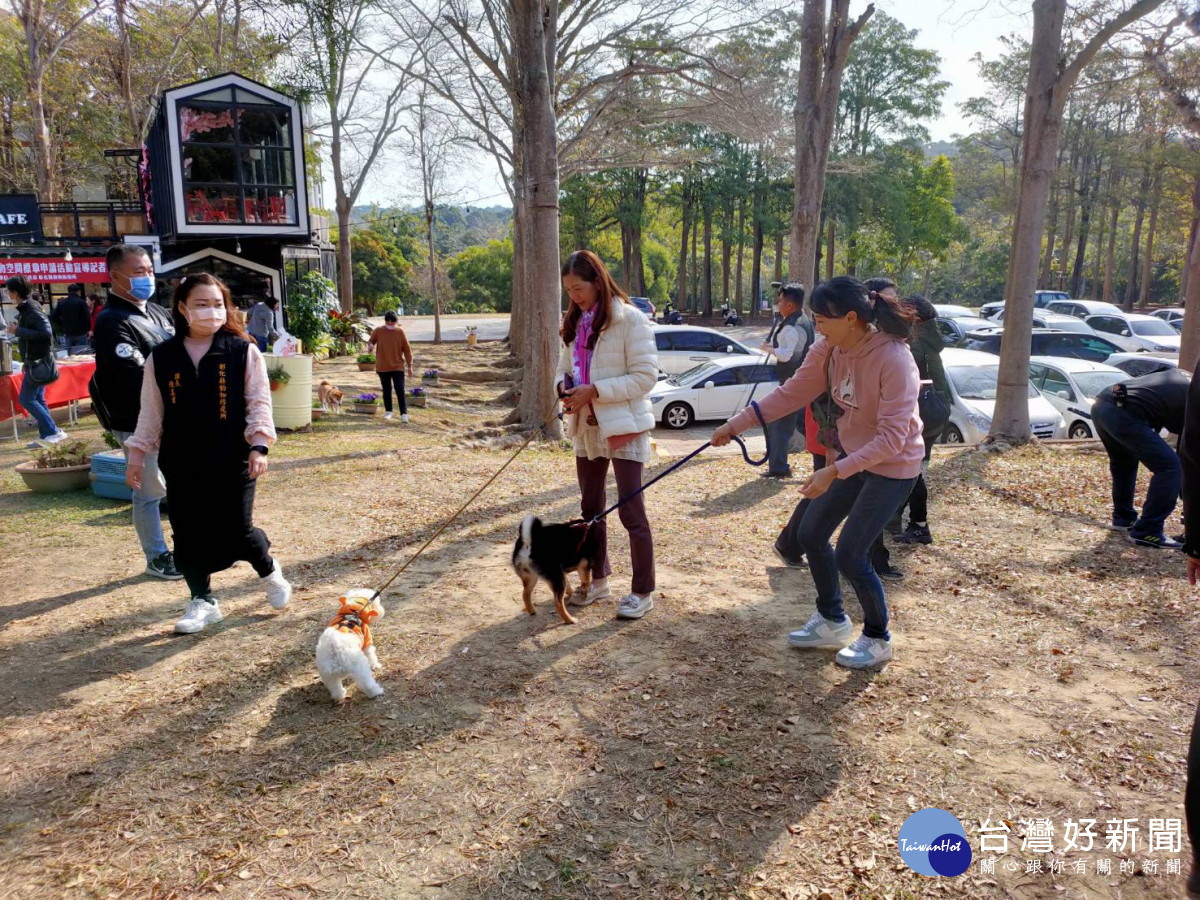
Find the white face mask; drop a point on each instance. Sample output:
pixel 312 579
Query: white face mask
pixel 207 320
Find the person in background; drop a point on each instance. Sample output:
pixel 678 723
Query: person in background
pixel 393 356
pixel 927 345
pixel 72 318
pixel 864 364
pixel 606 370
pixel 787 546
pixel 206 410
pixel 260 323
pixel 126 332
pixel 35 340
pixel 1189 458
pixel 95 306
pixel 788 341
pixel 1128 417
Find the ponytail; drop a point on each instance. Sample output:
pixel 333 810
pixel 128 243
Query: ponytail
pixel 838 296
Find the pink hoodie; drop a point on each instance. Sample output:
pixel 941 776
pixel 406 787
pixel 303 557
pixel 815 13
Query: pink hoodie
pixel 876 384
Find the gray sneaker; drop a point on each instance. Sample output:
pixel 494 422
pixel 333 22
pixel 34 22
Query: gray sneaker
pixel 864 653
pixel 820 633
pixel 633 606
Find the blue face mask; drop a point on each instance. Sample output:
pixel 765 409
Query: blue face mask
pixel 141 287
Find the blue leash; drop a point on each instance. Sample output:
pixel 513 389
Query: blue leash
pixel 667 471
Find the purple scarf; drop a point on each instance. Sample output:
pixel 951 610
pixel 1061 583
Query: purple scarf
pixel 581 371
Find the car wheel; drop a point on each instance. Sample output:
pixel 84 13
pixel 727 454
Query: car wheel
pixel 952 435
pixel 1080 430
pixel 678 415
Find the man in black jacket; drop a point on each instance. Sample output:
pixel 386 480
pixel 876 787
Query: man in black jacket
pixel 72 319
pixel 1128 417
pixel 126 331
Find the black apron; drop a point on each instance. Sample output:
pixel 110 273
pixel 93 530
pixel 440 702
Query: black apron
pixel 786 369
pixel 204 456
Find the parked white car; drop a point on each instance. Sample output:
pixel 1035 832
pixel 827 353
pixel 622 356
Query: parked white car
pixel 683 347
pixel 952 311
pixel 712 390
pixel 1071 385
pixel 1055 321
pixel 973 376
pixel 1171 314
pixel 1131 331
pixel 1081 309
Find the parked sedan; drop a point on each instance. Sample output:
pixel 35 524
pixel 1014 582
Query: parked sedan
pixel 712 390
pixel 1138 364
pixel 1071 385
pixel 954 330
pixel 973 378
pixel 682 347
pixel 1048 343
pixel 1173 316
pixel 1135 332
pixel 644 304
pixel 1081 309
pixel 991 310
pixel 1055 321
pixel 951 311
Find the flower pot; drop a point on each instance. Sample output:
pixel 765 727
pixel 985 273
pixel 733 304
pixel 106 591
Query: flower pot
pixel 317 413
pixel 419 400
pixel 366 367
pixel 367 409
pixel 276 385
pixel 55 481
pixel 430 381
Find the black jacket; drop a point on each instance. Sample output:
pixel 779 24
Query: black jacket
pixel 1189 456
pixel 71 317
pixel 34 335
pixel 1158 399
pixel 123 339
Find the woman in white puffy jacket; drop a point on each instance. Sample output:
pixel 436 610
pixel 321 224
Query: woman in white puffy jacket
pixel 606 370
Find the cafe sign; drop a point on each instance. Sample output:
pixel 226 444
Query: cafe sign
pixel 20 219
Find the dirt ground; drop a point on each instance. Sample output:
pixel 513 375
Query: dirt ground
pixel 1043 670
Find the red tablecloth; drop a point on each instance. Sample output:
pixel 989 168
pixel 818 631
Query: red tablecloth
pixel 72 384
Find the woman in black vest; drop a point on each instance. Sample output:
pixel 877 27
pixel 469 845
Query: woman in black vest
pixel 206 408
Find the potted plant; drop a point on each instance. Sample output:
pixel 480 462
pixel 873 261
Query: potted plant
pixel 309 303
pixel 55 468
pixel 348 330
pixel 366 362
pixel 429 376
pixel 317 412
pixel 367 403
pixel 418 396
pixel 278 376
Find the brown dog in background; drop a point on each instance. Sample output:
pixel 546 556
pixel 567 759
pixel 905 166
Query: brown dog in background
pixel 330 397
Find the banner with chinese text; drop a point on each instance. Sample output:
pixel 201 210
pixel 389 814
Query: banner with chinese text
pixel 55 270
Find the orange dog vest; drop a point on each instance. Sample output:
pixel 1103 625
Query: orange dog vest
pixel 352 619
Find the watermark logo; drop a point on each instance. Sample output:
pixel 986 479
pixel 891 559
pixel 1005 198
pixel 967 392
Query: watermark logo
pixel 933 842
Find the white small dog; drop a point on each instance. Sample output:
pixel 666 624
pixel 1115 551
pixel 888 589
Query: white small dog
pixel 344 649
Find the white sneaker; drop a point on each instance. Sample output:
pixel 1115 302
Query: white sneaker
pixel 822 633
pixel 200 613
pixel 58 436
pixel 864 653
pixel 279 592
pixel 633 606
pixel 388 416
pixel 404 418
pixel 597 590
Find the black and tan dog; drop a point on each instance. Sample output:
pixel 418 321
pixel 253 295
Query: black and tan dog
pixel 550 552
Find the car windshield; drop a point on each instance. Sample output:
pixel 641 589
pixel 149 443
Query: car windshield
pixel 1092 383
pixel 693 374
pixel 1151 327
pixel 977 382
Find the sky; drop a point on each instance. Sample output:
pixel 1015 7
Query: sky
pixel 956 29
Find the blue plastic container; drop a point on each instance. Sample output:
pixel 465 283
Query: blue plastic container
pixel 108 475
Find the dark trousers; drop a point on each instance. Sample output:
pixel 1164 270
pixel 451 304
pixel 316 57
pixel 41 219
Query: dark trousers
pixel 1191 796
pixel 213 528
pixel 918 500
pixel 592 474
pixel 864 502
pixel 779 436
pixel 261 340
pixel 788 542
pixel 387 379
pixel 1129 441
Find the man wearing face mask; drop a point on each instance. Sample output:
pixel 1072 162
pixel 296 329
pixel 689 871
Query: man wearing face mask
pixel 126 331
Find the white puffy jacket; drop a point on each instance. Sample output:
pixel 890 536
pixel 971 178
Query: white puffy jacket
pixel 624 369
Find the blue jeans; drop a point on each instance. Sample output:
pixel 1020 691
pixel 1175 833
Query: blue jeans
pixel 779 435
pixel 33 398
pixel 1129 441
pixel 147 518
pixel 865 502
pixel 261 341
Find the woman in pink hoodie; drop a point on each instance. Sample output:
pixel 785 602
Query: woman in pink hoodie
pixel 862 359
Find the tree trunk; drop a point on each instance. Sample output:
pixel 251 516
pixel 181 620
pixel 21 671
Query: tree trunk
pixel 626 278
pixel 1189 352
pixel 638 285
pixel 726 259
pixel 681 300
pixel 756 288
pixel 779 257
pixel 707 282
pixel 741 252
pixel 345 261
pixel 534 26
pixel 1068 236
pixel 831 247
pixel 822 62
pixel 1191 240
pixel 1039 150
pixel 1139 204
pixel 1110 254
pixel 1089 185
pixel 1148 263
pixel 517 331
pixel 433 290
pixel 693 297
pixel 1051 227
pixel 1097 262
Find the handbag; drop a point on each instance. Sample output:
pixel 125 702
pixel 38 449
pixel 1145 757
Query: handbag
pixel 43 370
pixel 932 405
pixel 826 413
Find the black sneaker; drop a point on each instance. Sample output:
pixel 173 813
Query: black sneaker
pixel 787 474
pixel 891 573
pixel 1121 524
pixel 1156 541
pixel 163 566
pixel 791 564
pixel 915 534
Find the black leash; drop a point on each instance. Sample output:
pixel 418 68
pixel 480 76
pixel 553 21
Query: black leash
pixel 667 471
